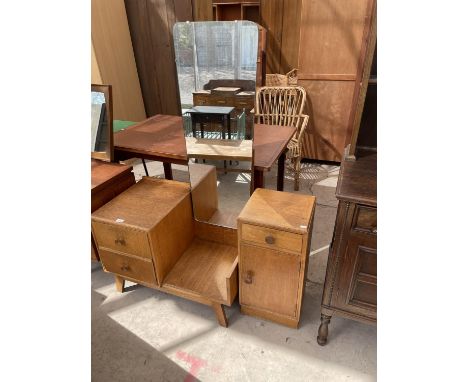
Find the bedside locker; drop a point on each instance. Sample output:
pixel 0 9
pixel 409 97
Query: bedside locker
pixel 274 231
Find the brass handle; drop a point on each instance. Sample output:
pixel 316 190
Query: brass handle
pixel 119 241
pixel 221 101
pixel 124 268
pixel 248 277
pixel 269 239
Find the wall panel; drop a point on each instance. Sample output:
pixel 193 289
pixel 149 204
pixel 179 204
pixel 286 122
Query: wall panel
pixel 151 23
pixel 330 45
pixel 112 59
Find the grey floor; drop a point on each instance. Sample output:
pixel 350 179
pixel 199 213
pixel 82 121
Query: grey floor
pixel 147 335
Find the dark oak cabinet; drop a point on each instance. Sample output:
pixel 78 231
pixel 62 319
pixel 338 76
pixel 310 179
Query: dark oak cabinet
pixel 350 288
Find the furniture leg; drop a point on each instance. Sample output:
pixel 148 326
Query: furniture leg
pixel 280 177
pixel 228 125
pixel 167 170
pixel 297 172
pixel 323 329
pixel 220 314
pixel 144 166
pixel 259 179
pixel 194 125
pixel 119 284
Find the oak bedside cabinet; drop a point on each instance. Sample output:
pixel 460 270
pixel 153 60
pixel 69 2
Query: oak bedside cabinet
pixel 274 231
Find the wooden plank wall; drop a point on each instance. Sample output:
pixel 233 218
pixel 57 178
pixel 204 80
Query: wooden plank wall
pixel 281 20
pixel 202 10
pixel 112 59
pixel 151 23
pixel 331 35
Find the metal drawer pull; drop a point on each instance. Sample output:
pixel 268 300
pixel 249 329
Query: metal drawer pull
pixel 119 241
pixel 374 230
pixel 124 268
pixel 269 239
pixel 248 277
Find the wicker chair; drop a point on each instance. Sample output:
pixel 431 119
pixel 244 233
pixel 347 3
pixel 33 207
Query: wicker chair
pixel 283 105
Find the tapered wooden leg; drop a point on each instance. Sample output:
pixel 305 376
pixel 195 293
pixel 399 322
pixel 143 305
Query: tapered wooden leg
pixel 167 170
pixel 323 329
pixel 220 315
pixel 119 284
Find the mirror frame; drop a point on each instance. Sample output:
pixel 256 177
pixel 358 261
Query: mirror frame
pixel 108 155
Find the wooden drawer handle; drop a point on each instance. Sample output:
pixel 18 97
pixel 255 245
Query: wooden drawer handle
pixel 119 241
pixel 269 239
pixel 248 277
pixel 124 268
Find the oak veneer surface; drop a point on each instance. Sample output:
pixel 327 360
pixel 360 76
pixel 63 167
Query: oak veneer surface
pixel 113 61
pixel 161 135
pixel 357 181
pixel 280 210
pixel 102 173
pixel 203 269
pixel 145 204
pixel 269 142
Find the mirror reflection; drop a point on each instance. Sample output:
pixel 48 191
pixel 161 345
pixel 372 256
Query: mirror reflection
pixel 217 70
pixel 101 123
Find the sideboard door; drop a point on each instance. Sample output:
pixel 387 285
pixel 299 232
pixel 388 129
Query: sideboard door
pixel 356 289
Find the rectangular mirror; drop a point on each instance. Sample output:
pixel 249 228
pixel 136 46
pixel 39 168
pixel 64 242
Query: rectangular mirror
pixel 217 73
pixel 102 134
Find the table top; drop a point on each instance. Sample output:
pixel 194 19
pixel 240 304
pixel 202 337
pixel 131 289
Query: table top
pixel 211 109
pixel 162 137
pixel 269 142
pixel 159 136
pixel 357 181
pixel 103 172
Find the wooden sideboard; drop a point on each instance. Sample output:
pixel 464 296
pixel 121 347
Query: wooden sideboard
pixel 350 288
pixel 274 231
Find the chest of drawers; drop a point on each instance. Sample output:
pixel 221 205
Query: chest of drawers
pixel 274 231
pixel 142 232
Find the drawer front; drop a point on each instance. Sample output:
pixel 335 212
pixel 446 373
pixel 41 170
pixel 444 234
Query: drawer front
pixel 127 266
pixel 122 239
pixel 365 220
pixel 272 238
pixel 270 280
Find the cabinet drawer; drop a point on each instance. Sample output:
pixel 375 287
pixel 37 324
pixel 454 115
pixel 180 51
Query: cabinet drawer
pixel 365 220
pixel 122 239
pixel 271 238
pixel 127 266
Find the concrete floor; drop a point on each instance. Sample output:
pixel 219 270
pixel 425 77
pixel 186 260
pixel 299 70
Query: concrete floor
pixel 147 335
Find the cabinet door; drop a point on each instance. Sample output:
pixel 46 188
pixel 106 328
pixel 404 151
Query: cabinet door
pixel 269 280
pixel 356 289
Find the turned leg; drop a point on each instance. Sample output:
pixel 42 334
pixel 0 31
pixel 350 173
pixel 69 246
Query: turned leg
pixel 323 329
pixel 220 315
pixel 119 284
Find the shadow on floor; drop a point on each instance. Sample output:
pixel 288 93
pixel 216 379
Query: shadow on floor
pixel 119 355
